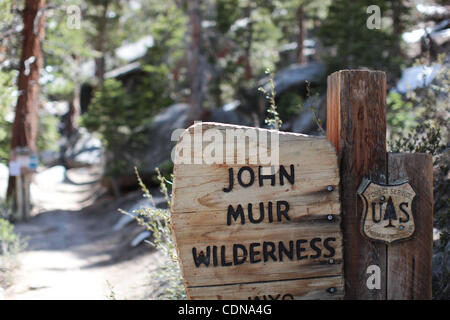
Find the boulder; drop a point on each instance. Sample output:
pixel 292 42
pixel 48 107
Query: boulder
pixel 304 122
pixel 294 75
pixel 163 133
pixel 82 150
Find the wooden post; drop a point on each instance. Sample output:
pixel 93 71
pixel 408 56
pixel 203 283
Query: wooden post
pixel 26 196
pixel 409 266
pixel 19 197
pixel 356 126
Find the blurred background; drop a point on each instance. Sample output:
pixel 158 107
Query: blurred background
pixel 91 89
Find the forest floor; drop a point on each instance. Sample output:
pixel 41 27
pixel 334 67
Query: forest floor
pixel 73 251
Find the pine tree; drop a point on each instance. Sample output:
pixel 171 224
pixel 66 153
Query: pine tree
pixel 25 126
pixel 357 46
pixel 390 213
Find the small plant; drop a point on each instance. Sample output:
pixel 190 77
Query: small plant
pixel 313 106
pixel 428 108
pixel 157 221
pixel 112 293
pixel 10 245
pixel 273 118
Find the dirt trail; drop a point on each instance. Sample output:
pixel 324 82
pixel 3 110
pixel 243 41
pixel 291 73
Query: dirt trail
pixel 73 252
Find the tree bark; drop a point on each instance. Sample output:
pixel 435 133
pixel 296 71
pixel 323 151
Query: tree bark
pixel 99 46
pixel 24 129
pixel 74 112
pixel 248 74
pixel 301 58
pixel 194 60
pixel 356 126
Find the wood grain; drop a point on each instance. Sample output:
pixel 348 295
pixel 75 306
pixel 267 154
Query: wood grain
pixel 310 289
pixel 356 126
pixel 409 267
pixel 200 221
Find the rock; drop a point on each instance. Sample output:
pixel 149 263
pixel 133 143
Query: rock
pixel 51 176
pixel 140 237
pixel 126 219
pixel 417 77
pixel 49 158
pixel 294 75
pixel 304 122
pixel 163 133
pixel 83 150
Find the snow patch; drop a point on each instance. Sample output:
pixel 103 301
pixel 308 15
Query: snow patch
pixel 417 77
pixel 51 176
pixel 4 174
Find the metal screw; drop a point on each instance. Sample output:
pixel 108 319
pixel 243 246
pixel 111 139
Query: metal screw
pixel 332 290
pixel 331 261
pixel 330 217
pixel 330 188
pixel 401 227
pixel 382 198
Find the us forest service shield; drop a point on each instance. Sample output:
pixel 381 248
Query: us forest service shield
pixel 387 211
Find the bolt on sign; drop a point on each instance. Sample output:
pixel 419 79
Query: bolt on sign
pixel 249 225
pixel 387 211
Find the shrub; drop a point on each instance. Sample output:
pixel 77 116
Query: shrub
pixel 429 107
pixel 157 221
pixel 10 245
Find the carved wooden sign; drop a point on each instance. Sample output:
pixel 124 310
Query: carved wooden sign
pixel 253 229
pixel 387 211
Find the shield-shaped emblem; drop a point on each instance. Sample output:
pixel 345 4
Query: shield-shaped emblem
pixel 387 212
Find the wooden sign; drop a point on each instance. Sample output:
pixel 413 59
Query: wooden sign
pixel 248 230
pixel 387 211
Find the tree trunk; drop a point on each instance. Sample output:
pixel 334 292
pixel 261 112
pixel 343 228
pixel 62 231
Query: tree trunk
pixel 195 68
pixel 248 74
pixel 99 46
pixel 74 112
pixel 301 58
pixel 24 130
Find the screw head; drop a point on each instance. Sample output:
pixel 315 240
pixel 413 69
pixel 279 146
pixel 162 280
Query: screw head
pixel 331 261
pixel 330 217
pixel 332 290
pixel 330 188
pixel 382 198
pixel 401 227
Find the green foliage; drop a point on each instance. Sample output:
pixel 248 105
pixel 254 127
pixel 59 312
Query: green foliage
pixel 121 114
pixel 400 116
pixel 7 96
pixel 430 108
pixel 10 245
pixel 9 241
pixel 313 107
pixel 158 222
pixel 243 42
pixel 424 138
pixel 273 118
pixel 288 105
pixel 356 46
pixel 5 12
pixel 48 134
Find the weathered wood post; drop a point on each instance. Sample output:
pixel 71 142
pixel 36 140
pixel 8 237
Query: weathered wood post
pixel 356 126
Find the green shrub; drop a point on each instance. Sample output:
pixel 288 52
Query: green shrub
pixel 429 108
pixel 7 98
pixel 48 134
pixel 10 245
pixel 158 222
